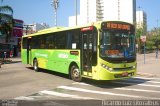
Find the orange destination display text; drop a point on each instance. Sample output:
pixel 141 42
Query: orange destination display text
pixel 112 52
pixel 118 26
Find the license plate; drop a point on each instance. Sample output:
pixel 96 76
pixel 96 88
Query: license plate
pixel 125 74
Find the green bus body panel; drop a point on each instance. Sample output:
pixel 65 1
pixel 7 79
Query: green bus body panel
pixel 24 56
pixel 55 60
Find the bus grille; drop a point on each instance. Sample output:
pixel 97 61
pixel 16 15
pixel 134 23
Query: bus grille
pixel 123 69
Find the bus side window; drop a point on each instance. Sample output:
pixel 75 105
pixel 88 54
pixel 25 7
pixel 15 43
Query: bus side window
pixel 60 40
pixel 35 42
pixel 69 41
pixel 76 40
pixel 42 42
pixel 50 41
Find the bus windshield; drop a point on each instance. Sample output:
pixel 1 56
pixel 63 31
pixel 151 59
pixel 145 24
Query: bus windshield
pixel 117 44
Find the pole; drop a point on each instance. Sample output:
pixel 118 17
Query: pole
pixel 55 18
pixel 118 10
pixel 144 52
pixel 139 25
pixel 87 11
pixel 76 10
pixel 157 48
pixel 55 4
pixel 157 41
pixel 26 29
pixel 139 14
pixel 156 51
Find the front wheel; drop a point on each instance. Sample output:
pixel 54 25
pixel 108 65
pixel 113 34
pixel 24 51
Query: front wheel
pixel 75 73
pixel 35 65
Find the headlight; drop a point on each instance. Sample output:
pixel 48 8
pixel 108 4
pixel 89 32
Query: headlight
pixel 110 69
pixel 106 67
pixel 134 67
pixel 103 65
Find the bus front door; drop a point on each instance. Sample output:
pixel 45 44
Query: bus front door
pixel 28 50
pixel 87 51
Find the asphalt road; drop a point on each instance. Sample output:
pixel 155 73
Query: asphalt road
pixel 21 82
pixel 17 79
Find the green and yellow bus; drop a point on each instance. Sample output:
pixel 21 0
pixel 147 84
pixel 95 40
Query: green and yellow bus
pixel 100 51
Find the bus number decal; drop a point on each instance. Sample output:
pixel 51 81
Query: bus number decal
pixel 63 55
pixel 41 55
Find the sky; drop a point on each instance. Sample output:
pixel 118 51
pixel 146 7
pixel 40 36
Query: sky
pixel 39 11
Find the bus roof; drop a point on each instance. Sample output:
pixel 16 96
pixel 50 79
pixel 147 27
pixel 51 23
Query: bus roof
pixel 57 29
pixel 50 29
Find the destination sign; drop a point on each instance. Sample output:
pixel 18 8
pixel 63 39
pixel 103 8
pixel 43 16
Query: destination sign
pixel 116 25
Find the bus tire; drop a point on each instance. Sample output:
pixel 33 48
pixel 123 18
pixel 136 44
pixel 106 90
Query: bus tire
pixel 35 65
pixel 75 73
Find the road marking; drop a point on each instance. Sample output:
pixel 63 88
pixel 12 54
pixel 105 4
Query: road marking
pixel 98 92
pixel 158 86
pixel 154 82
pixel 143 90
pixel 140 90
pixel 53 93
pixel 24 98
pixel 80 83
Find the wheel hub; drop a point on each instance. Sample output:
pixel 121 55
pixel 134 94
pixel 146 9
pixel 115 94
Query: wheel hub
pixel 76 73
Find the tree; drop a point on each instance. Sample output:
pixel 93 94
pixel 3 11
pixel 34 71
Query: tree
pixel 6 21
pixel 139 32
pixel 153 40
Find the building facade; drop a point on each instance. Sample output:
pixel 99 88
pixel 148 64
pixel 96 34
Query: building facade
pixel 32 28
pixel 15 37
pixel 98 10
pixel 141 18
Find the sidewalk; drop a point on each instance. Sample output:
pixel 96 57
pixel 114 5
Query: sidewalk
pixel 151 67
pixel 16 59
pixel 11 61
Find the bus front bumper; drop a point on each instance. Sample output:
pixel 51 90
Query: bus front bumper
pixel 104 74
